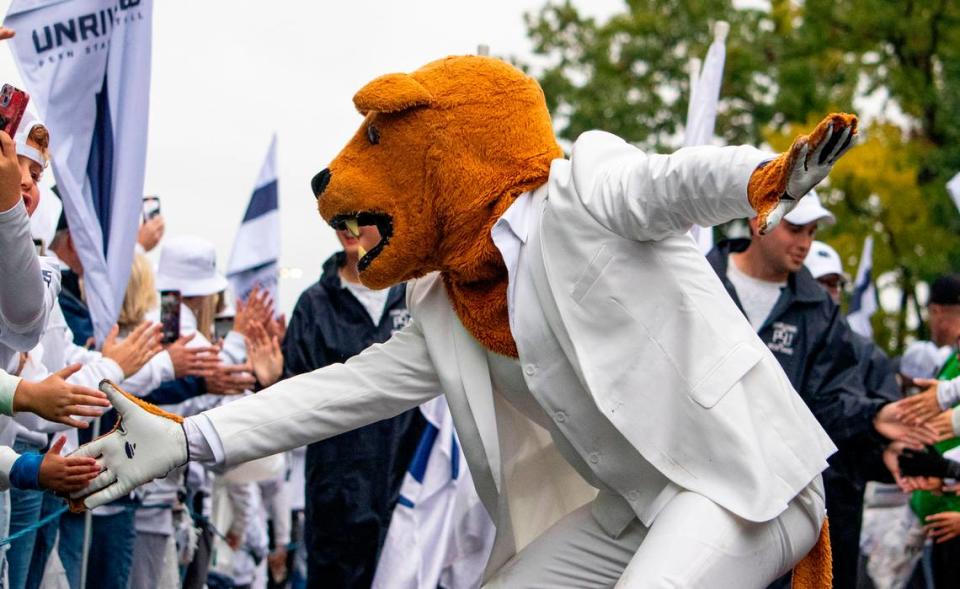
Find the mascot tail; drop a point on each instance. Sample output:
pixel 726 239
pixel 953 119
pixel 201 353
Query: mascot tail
pixel 815 571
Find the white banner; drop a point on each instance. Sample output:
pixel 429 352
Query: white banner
pixel 953 187
pixel 256 249
pixel 702 110
pixel 863 304
pixel 86 65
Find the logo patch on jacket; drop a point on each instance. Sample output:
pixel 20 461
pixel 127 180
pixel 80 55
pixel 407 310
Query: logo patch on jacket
pixel 399 319
pixel 783 336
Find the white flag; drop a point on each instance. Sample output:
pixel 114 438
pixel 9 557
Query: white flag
pixel 86 65
pixel 702 110
pixel 864 302
pixel 953 187
pixel 256 249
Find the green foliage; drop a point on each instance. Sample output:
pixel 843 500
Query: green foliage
pixel 787 66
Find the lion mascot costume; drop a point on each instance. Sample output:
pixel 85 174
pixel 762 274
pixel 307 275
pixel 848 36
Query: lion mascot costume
pixel 623 423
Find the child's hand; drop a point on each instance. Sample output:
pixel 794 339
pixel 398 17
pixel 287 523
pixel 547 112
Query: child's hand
pixel 57 400
pixel 66 474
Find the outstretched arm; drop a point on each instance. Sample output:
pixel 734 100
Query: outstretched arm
pixel 651 197
pixel 383 381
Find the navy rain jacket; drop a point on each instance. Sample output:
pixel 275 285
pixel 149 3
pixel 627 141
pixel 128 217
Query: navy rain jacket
pixel 352 480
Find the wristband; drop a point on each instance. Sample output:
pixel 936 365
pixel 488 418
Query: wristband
pixel 25 472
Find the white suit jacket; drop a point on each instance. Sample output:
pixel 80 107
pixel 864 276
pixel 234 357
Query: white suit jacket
pixel 648 328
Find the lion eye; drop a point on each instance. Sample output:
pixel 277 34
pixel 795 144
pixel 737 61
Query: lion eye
pixel 373 135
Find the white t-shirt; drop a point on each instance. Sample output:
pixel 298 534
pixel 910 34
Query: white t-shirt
pixel 757 296
pixel 374 301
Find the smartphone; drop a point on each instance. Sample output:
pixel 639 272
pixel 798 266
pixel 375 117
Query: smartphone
pixel 13 103
pixel 151 207
pixel 170 315
pixel 222 326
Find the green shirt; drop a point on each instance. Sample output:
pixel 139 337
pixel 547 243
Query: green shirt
pixel 925 503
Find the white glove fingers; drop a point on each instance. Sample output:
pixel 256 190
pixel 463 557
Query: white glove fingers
pixel 802 160
pixel 117 398
pixel 819 153
pixel 773 219
pixel 107 495
pixel 830 146
pixel 845 144
pixel 93 449
pixel 101 481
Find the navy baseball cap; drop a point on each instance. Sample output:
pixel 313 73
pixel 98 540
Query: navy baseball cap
pixel 946 290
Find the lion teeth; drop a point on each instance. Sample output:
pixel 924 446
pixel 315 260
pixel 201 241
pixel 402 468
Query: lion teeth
pixel 353 227
pixel 361 251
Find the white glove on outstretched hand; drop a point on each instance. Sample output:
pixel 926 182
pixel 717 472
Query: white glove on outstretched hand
pixel 776 186
pixel 146 444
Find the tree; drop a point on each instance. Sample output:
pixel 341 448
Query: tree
pixel 787 66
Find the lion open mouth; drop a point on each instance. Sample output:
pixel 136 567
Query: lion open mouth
pixel 352 223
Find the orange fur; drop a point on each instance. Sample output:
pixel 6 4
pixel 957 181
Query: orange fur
pixel 815 570
pixel 769 182
pixel 459 140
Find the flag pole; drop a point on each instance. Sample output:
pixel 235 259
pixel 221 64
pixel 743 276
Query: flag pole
pixel 88 523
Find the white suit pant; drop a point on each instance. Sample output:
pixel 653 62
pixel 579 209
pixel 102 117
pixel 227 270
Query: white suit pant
pixel 693 542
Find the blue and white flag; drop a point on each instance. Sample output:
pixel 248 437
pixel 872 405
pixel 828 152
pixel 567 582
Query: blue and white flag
pixel 440 534
pixel 86 65
pixel 702 109
pixel 864 302
pixel 256 249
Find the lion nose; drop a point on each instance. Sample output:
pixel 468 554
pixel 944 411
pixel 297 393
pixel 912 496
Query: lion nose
pixel 320 181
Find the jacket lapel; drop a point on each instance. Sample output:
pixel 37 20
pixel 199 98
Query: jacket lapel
pixel 475 377
pixel 545 294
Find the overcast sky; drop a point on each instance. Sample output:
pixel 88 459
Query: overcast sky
pixel 228 74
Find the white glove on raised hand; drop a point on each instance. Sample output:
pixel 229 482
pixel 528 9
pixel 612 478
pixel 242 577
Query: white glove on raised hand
pixel 797 171
pixel 146 444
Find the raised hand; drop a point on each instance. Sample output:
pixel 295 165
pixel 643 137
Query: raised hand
pixel 136 350
pixel 54 399
pixel 192 361
pixel 263 351
pixel 887 423
pixel 66 474
pixel 922 406
pixel 146 443
pixel 255 310
pixel 942 424
pixel 230 379
pixel 150 233
pixel 942 527
pixel 277 327
pixel 776 187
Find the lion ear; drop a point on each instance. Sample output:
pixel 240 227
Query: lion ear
pixel 391 93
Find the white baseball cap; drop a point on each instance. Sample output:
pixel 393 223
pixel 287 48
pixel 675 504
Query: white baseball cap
pixel 189 264
pixel 922 359
pixel 808 210
pixel 27 123
pixel 823 260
